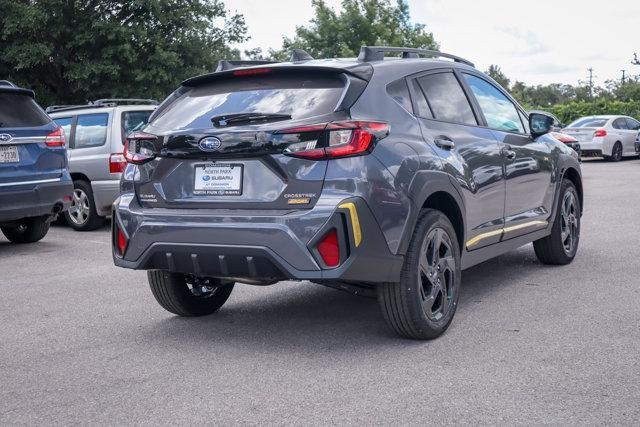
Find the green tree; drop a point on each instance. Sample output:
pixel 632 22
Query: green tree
pixel 360 22
pixel 496 74
pixel 72 51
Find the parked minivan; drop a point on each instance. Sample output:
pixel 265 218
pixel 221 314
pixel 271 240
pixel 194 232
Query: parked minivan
pixel 35 185
pixel 95 134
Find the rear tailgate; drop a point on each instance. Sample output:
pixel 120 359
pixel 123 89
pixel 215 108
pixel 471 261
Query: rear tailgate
pixel 25 156
pixel 205 163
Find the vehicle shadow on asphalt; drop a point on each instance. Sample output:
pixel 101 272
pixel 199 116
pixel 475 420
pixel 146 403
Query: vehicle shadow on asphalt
pixel 305 316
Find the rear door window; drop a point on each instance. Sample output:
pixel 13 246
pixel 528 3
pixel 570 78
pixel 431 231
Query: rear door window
pixel 91 130
pixel 500 113
pixel 421 107
pixel 620 124
pixel 133 121
pixel 19 110
pixel 446 98
pixel 297 96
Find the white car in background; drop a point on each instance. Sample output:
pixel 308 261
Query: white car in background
pixel 612 137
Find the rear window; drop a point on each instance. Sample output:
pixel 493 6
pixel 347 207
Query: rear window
pixel 588 123
pixel 300 97
pixel 17 110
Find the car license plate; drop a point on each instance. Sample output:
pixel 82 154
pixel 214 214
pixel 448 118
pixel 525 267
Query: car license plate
pixel 9 154
pixel 218 179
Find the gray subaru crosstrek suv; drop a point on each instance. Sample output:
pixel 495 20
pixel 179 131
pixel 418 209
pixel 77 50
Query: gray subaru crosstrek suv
pixel 377 176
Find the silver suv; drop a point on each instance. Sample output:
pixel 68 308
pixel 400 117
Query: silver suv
pixel 95 134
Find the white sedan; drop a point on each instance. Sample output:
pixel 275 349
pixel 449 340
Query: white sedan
pixel 612 137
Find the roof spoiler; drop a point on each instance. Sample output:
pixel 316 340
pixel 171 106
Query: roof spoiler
pixel 376 53
pixel 7 86
pixel 297 55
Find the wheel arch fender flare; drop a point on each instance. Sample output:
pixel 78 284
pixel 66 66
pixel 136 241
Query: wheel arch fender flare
pixel 434 189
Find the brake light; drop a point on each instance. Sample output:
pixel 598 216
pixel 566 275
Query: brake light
pixel 117 163
pixel 329 249
pixel 55 138
pixel 139 147
pixel 337 139
pixel 600 132
pixel 252 72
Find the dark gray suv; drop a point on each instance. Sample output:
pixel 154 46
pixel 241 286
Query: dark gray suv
pixel 377 176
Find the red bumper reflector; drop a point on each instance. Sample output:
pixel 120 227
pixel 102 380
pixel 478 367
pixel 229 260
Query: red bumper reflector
pixel 329 249
pixel 122 241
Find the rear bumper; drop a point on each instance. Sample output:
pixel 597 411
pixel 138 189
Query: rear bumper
pixel 255 247
pixel 32 200
pixel 104 194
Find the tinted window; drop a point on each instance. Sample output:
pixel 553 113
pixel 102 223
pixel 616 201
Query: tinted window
pixel 447 99
pixel 422 108
pixel 399 91
pixel 620 124
pixel 589 122
pixel 297 96
pixel 65 123
pixel 134 120
pixel 17 110
pixel 498 110
pixel 91 130
pixel 633 124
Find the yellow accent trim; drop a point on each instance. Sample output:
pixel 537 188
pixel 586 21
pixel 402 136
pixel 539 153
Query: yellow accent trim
pixel 300 201
pixel 488 234
pixel 355 222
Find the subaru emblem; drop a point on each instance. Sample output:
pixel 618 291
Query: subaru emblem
pixel 5 137
pixel 210 143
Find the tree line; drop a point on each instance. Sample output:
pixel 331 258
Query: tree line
pixel 73 51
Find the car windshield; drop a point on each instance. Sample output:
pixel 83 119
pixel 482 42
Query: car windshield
pixel 589 122
pixel 297 96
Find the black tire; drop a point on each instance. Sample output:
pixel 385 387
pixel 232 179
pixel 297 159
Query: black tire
pixel 558 248
pixel 416 307
pixel 29 230
pixel 616 153
pixel 177 294
pixel 82 215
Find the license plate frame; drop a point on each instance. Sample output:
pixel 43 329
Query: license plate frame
pixel 9 154
pixel 211 186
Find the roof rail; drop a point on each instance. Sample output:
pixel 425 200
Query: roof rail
pixel 6 83
pixel 376 53
pixel 118 101
pixel 300 55
pixel 225 64
pixel 101 103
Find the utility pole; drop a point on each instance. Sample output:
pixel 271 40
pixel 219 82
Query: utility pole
pixel 623 75
pixel 590 69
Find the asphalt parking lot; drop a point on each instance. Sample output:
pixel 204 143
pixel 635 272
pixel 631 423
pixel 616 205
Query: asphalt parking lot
pixel 83 342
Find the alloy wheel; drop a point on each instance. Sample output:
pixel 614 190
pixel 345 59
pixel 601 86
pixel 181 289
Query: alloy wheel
pixel 437 275
pixel 80 210
pixel 569 231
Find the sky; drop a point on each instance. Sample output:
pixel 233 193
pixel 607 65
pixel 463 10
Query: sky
pixel 537 42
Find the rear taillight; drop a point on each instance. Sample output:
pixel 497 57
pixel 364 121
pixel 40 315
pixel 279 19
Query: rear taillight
pixel 117 163
pixel 600 132
pixel 55 138
pixel 336 139
pixel 563 137
pixel 329 249
pixel 139 147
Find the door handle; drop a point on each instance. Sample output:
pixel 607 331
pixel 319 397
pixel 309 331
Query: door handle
pixel 507 152
pixel 444 142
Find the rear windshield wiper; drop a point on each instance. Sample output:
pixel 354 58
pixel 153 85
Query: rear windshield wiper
pixel 237 118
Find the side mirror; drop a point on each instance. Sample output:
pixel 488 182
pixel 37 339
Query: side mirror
pixel 540 124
